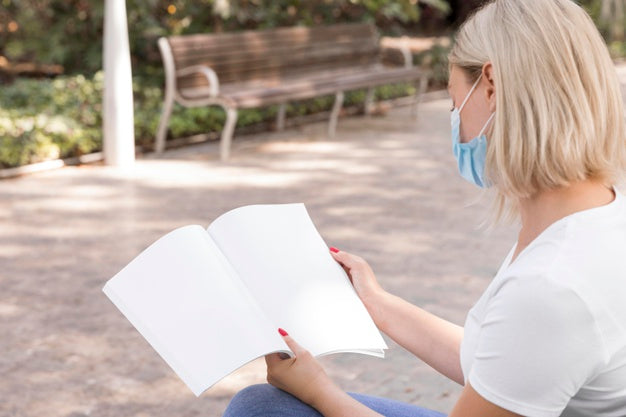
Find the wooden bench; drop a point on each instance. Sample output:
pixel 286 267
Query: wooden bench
pixel 272 67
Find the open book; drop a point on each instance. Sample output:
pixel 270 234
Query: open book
pixel 210 301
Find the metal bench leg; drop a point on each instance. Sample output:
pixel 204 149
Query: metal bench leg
pixel 227 132
pixel 369 101
pixel 420 89
pixel 332 125
pixel 280 117
pixel 168 104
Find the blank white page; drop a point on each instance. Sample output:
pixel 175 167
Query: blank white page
pixel 282 259
pixel 181 295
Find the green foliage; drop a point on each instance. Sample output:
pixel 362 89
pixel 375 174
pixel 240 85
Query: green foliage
pixel 48 119
pixel 28 139
pixel 44 119
pixel 52 32
pixel 22 141
pixel 436 60
pixel 610 19
pixel 69 32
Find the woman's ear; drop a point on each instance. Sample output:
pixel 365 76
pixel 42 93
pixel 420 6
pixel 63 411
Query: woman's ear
pixel 490 89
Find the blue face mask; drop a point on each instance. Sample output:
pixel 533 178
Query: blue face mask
pixel 470 156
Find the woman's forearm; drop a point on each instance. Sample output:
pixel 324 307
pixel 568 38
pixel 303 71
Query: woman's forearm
pixel 434 340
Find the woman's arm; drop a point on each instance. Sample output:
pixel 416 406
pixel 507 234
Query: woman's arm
pixel 471 404
pixel 432 339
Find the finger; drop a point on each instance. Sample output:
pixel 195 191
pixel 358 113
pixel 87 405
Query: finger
pixel 272 360
pixel 347 271
pixel 340 256
pixel 344 258
pixel 293 345
pixel 337 256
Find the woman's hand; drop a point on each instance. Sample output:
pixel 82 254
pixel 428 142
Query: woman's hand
pixel 302 376
pixel 362 278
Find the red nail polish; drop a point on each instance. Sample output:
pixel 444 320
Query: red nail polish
pixel 333 249
pixel 282 332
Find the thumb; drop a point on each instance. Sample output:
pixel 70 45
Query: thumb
pixel 293 346
pixel 346 259
pixel 273 359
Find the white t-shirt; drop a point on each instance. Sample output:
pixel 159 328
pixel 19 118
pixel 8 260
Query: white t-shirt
pixel 548 336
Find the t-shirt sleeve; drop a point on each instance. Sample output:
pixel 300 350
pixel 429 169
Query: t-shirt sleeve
pixel 538 344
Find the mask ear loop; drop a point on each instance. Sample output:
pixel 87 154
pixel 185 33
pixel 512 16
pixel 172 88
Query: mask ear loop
pixel 486 124
pixel 470 92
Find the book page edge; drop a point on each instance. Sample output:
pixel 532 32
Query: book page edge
pixel 379 353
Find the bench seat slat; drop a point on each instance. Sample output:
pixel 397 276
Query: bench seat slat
pixel 261 46
pixel 311 76
pixel 270 36
pixel 275 92
pixel 282 54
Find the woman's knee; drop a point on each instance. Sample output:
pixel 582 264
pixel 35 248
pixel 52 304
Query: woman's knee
pixel 264 400
pixel 245 403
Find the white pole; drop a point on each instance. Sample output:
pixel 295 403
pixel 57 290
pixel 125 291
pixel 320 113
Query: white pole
pixel 118 117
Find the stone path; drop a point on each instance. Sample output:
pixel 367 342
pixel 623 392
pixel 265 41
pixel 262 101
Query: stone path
pixel 386 188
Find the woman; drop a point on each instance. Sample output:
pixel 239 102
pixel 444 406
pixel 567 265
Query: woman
pixel 537 115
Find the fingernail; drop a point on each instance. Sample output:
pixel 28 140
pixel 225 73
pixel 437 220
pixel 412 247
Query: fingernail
pixel 333 249
pixel 282 332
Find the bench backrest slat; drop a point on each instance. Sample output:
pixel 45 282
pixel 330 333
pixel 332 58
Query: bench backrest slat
pixel 276 53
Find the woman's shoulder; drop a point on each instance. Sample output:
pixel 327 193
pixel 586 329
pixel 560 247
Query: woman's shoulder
pixel 581 251
pixel 573 283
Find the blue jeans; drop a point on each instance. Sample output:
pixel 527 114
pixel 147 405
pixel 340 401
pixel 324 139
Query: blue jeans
pixel 265 400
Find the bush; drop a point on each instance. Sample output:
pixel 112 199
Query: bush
pixel 436 59
pixel 47 119
pixel 59 118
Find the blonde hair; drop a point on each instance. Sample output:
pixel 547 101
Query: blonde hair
pixel 559 113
